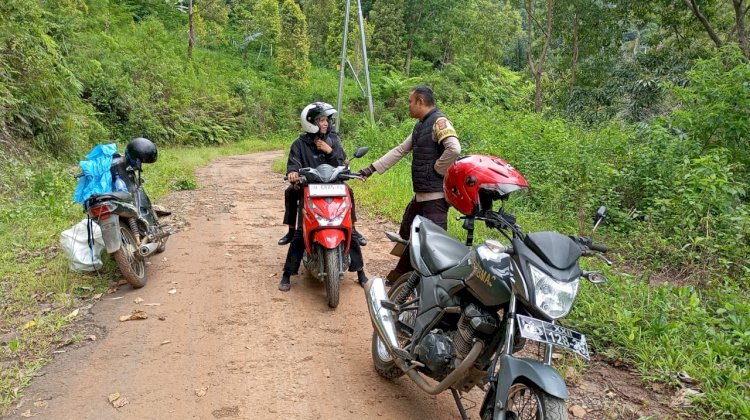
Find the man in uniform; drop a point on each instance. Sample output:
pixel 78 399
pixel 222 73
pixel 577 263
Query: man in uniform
pixel 434 144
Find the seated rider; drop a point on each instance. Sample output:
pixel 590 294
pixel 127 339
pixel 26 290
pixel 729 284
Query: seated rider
pixel 319 144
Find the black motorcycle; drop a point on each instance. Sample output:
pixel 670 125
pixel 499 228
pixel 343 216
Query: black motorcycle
pixel 129 222
pixel 461 316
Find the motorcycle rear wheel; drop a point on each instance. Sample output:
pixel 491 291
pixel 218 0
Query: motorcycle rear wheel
pixel 332 267
pixel 527 401
pixel 384 364
pixel 131 265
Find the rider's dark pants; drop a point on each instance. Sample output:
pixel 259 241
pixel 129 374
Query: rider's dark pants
pixel 297 249
pixel 435 210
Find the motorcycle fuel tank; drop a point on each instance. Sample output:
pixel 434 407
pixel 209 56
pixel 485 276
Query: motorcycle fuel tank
pixel 487 275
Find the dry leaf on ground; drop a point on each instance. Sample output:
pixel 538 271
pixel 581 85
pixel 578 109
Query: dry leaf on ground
pixel 135 315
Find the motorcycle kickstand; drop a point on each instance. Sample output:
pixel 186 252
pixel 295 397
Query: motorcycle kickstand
pixel 461 409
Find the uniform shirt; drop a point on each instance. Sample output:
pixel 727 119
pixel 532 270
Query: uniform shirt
pixel 442 132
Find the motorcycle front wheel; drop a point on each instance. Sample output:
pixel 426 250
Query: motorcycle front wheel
pixel 384 364
pixel 526 401
pixel 332 267
pixel 131 265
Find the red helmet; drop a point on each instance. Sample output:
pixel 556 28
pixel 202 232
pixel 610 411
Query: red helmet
pixel 473 181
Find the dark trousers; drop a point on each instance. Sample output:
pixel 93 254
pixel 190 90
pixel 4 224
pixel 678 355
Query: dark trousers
pixel 292 197
pixel 435 210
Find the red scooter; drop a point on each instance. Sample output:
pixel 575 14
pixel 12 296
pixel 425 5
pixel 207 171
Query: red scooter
pixel 327 223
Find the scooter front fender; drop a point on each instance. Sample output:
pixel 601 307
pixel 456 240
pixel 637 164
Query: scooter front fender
pixel 329 238
pixel 512 368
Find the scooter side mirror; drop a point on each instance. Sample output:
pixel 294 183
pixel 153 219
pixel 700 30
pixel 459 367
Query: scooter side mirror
pixel 361 152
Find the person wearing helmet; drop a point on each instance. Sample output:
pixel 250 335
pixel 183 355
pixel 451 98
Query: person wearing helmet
pixel 434 145
pixel 319 144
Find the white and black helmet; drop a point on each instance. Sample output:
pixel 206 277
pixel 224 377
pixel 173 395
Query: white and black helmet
pixel 311 113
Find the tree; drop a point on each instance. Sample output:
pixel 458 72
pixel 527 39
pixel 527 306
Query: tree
pixel 322 19
pixel 266 20
pixel 737 33
pixel 537 68
pixel 387 17
pixel 294 47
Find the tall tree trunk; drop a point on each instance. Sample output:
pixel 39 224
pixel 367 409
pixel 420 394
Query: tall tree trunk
pixel 537 69
pixel 191 31
pixel 702 18
pixel 742 36
pixel 574 60
pixel 407 61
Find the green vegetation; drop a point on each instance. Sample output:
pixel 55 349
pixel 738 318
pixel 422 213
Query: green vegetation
pixel 643 106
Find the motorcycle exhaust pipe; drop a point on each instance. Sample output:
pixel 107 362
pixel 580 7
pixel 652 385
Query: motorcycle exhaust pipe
pixel 383 320
pixel 147 249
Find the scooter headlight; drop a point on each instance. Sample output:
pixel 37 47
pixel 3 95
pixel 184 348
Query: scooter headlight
pixel 324 221
pixel 554 298
pixel 329 222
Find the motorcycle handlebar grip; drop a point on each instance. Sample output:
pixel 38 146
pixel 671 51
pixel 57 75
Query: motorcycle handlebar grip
pixel 598 247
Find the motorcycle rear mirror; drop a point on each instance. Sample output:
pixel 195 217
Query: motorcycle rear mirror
pixel 599 216
pixel 361 152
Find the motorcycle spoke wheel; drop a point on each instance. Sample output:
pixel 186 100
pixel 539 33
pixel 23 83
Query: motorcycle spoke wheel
pixel 527 402
pixel 132 266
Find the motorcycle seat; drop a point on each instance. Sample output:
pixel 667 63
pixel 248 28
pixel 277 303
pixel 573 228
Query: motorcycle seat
pixel 439 250
pixel 115 195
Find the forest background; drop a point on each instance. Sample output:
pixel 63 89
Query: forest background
pixel 643 106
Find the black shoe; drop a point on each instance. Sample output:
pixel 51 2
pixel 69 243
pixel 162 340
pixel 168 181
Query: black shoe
pixel 285 284
pixel 287 238
pixel 361 278
pixel 359 238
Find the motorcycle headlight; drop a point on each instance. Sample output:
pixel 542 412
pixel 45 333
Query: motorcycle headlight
pixel 554 298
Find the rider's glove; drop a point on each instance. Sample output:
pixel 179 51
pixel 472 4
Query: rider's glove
pixel 366 172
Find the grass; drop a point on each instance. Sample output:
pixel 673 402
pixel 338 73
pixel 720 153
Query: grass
pixel 38 293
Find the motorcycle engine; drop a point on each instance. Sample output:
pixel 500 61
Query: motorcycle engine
pixel 474 322
pixel 436 352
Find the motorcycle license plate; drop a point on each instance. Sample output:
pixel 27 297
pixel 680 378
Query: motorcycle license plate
pixel 327 190
pixel 545 332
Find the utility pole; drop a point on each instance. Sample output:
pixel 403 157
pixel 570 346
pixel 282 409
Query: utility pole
pixel 366 90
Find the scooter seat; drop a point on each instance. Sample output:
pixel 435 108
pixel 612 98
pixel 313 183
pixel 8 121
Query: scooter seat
pixel 439 250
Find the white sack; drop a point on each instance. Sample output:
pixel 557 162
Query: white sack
pixel 75 243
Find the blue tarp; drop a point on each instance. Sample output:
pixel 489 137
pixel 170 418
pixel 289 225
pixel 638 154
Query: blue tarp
pixel 96 177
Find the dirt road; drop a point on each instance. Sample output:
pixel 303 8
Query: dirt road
pixel 226 343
